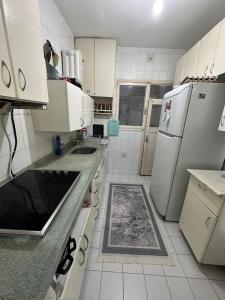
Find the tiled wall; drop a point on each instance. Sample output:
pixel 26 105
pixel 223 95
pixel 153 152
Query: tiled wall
pixel 131 64
pixel 123 153
pixel 32 144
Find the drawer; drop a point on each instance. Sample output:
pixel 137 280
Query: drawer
pixel 211 200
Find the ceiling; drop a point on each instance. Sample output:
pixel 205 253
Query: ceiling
pixel 180 24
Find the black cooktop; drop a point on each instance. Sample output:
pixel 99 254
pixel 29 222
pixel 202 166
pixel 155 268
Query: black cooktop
pixel 29 202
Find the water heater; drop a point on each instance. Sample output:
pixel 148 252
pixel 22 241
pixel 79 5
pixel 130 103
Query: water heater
pixel 72 63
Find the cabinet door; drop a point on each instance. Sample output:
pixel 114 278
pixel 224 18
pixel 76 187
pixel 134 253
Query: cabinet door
pixel 25 42
pixel 7 88
pixel 105 59
pixel 190 61
pixel 197 223
pixel 87 48
pixel 206 52
pixel 218 64
pixel 222 121
pixel 179 71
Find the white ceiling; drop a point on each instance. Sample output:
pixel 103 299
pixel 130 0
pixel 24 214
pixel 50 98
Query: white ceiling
pixel 133 23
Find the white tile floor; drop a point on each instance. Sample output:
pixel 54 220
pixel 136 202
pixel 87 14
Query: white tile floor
pixel 187 280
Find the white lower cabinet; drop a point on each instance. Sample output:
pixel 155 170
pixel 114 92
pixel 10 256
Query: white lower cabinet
pixel 198 219
pixel 74 280
pixel 69 288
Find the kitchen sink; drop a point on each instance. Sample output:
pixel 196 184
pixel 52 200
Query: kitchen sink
pixel 84 150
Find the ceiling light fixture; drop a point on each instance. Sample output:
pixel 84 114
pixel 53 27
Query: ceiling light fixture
pixel 157 7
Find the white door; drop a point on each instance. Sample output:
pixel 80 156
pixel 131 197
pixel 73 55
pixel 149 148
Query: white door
pixel 87 48
pixel 179 74
pixel 174 110
pixel 218 64
pixel 197 223
pixel 190 61
pixel 26 46
pixel 105 60
pixel 150 135
pixel 165 159
pixel 7 88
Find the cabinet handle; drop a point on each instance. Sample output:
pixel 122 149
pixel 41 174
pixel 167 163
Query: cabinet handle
pixel 147 139
pixel 21 79
pixel 206 222
pixel 206 69
pixel 97 202
pixel 83 253
pixel 103 162
pixel 95 192
pixel 211 69
pixel 97 176
pixel 6 82
pixel 201 187
pixel 96 217
pixel 81 122
pixel 222 120
pixel 87 242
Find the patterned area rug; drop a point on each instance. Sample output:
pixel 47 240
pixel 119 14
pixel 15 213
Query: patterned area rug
pixel 130 226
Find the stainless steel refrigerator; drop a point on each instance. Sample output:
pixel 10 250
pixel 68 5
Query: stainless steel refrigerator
pixel 188 138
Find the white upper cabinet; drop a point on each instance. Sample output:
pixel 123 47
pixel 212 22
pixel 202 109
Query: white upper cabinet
pixel 87 47
pixel 179 71
pixel 23 29
pixel 7 88
pixel 69 109
pixel 190 61
pixel 206 52
pixel 99 65
pixel 105 57
pixel 64 111
pixel 218 64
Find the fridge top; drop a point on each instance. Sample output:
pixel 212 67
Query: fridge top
pixel 174 110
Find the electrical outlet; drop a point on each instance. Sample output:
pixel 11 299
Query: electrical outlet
pixel 150 58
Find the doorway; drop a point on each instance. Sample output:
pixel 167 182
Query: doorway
pixel 157 92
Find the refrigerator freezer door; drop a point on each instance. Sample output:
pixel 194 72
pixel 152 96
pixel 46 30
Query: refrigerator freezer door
pixel 167 149
pixel 174 110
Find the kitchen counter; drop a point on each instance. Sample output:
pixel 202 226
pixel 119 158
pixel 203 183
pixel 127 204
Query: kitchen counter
pixel 212 179
pixel 27 264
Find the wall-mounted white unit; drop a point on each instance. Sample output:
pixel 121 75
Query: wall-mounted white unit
pixel 22 71
pixel 69 109
pixel 99 65
pixel 64 111
pixel 73 64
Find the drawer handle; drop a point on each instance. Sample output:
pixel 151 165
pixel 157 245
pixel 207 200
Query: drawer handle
pixel 87 242
pixel 83 253
pixel 207 222
pixel 97 202
pixel 201 187
pixel 98 174
pixel 97 215
pixel 6 81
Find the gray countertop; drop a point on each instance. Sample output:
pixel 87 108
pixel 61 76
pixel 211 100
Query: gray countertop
pixel 27 264
pixel 212 179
